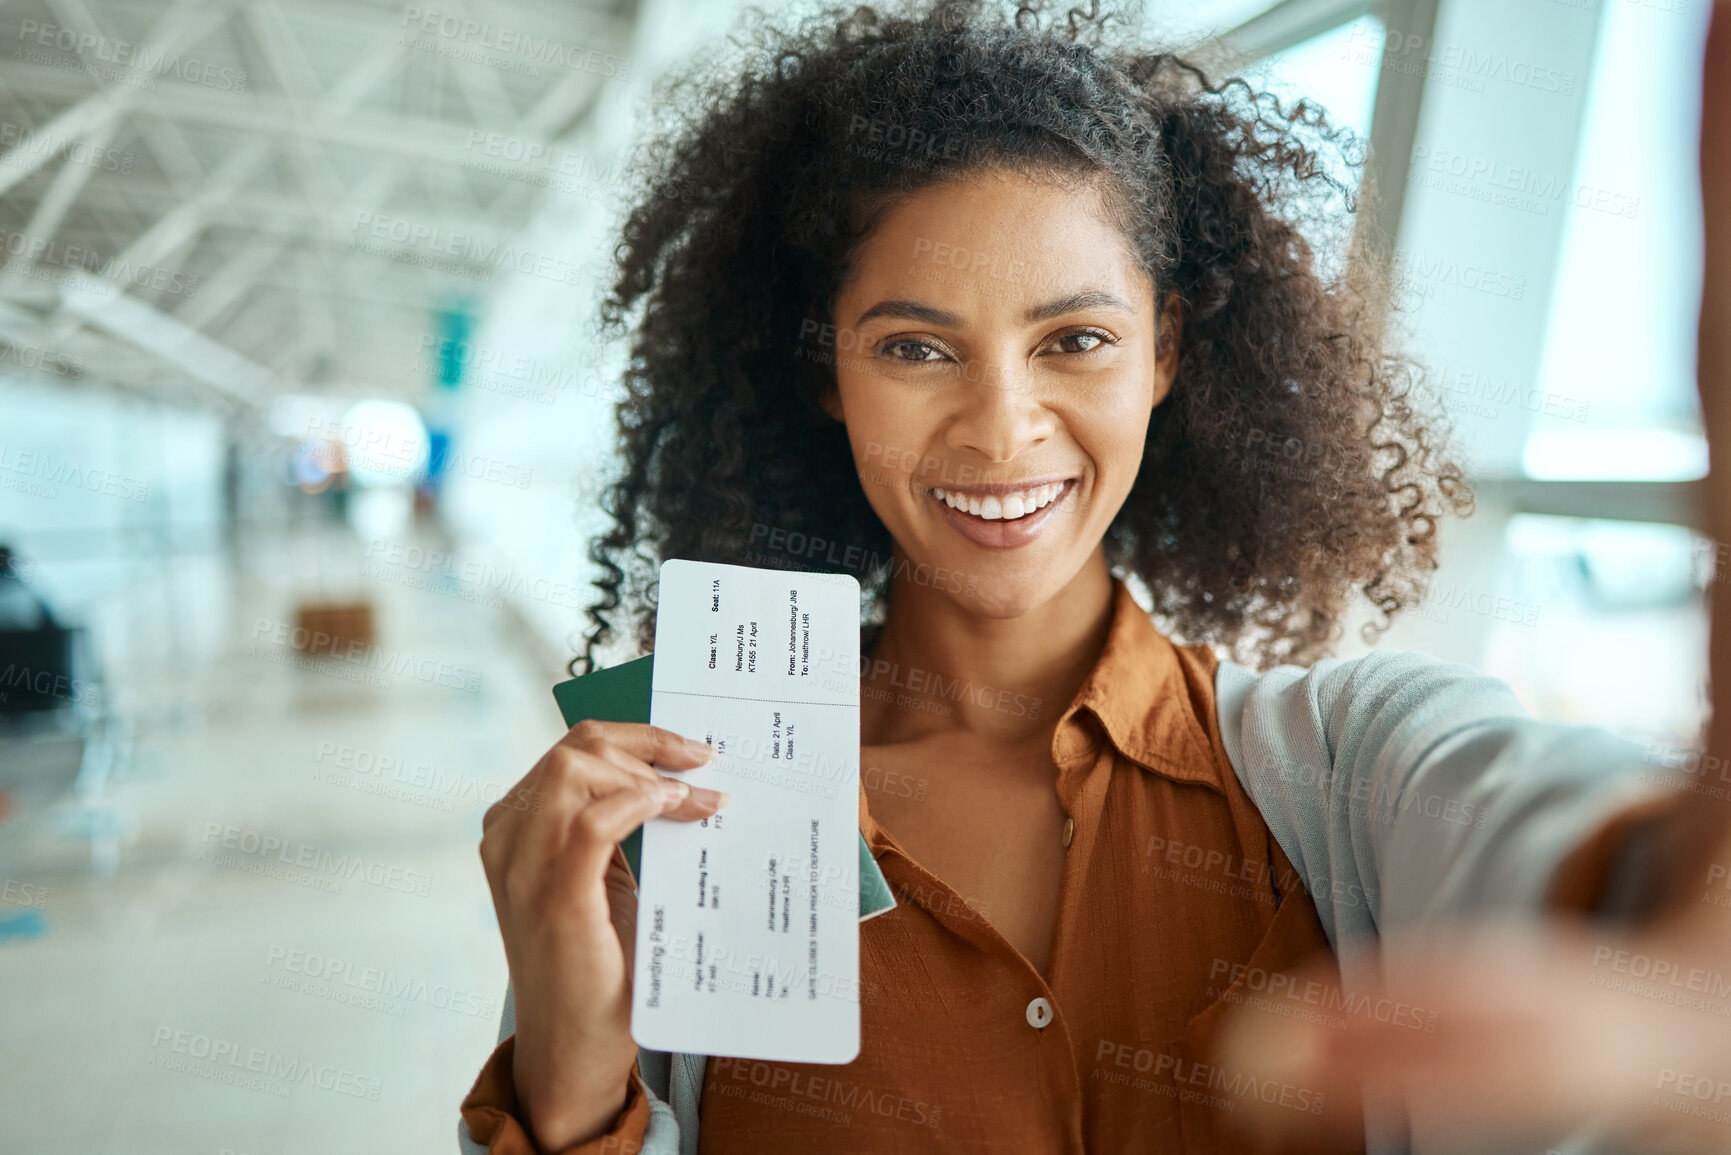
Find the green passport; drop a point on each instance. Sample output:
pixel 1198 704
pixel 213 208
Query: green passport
pixel 621 694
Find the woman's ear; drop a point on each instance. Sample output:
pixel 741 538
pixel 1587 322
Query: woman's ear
pixel 1168 332
pixel 830 399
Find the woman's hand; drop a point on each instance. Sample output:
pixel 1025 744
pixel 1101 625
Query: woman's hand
pixel 568 913
pixel 1529 1033
pixel 1544 1027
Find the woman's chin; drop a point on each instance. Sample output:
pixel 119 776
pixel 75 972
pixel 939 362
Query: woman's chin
pixel 1002 596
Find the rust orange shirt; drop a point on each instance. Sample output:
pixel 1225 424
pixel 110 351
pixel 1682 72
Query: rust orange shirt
pixel 1174 900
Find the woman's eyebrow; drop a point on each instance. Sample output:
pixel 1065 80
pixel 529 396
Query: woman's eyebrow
pixel 930 315
pixel 1082 299
pixel 910 311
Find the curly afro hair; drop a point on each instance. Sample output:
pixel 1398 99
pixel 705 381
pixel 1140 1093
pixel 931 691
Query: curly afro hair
pixel 1292 465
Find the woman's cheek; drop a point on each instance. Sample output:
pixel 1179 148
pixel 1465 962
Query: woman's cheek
pixel 1113 428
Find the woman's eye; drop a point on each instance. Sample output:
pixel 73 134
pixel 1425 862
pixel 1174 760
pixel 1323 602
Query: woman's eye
pixel 1090 340
pixel 912 351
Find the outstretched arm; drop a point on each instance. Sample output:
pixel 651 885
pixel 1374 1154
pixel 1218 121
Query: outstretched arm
pixel 1546 1027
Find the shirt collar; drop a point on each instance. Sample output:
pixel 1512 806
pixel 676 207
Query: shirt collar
pixel 1153 700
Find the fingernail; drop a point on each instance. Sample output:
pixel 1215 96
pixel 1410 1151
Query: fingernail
pixel 700 749
pixel 673 791
pixel 715 798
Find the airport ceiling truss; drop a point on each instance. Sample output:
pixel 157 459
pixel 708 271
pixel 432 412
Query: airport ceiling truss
pixel 182 183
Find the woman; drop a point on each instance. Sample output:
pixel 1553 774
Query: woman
pixel 1013 322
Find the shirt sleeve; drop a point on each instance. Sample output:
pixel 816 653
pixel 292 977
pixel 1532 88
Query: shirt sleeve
pixel 1408 791
pixel 491 1122
pixel 490 1125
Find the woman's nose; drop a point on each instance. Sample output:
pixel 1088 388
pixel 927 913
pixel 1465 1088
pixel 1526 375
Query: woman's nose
pixel 1001 413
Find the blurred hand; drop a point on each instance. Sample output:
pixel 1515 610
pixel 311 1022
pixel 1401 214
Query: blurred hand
pixel 567 912
pixel 1537 1032
pixel 1543 1029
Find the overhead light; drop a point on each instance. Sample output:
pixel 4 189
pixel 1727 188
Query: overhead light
pixel 1614 455
pixel 386 443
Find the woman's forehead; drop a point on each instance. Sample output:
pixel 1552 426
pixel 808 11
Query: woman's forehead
pixel 989 258
pixel 999 237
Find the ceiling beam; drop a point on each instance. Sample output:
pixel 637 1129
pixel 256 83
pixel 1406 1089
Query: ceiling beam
pixel 188 22
pixel 190 351
pixel 1291 23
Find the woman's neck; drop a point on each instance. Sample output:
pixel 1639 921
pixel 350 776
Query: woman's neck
pixel 938 667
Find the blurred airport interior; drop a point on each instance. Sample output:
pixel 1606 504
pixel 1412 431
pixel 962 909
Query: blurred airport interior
pixel 303 424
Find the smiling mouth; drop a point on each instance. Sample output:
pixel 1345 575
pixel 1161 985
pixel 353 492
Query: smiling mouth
pixel 1003 516
pixel 1011 506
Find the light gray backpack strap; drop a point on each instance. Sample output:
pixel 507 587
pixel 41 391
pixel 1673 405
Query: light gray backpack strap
pixel 687 1097
pixel 466 1144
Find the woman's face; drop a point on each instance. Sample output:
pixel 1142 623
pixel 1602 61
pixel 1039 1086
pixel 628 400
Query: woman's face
pixel 996 367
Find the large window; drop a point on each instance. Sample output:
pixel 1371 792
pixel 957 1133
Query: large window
pixel 1621 336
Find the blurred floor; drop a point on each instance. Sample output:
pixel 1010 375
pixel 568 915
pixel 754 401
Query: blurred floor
pixel 301 998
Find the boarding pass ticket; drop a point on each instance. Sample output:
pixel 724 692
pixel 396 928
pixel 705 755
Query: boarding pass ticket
pixel 748 921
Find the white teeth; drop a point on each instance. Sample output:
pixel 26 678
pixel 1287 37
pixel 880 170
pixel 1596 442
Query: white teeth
pixel 1010 508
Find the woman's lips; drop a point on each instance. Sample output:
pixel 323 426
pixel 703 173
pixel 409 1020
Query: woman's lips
pixel 999 533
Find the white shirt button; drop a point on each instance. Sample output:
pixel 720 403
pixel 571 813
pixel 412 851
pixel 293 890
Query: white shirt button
pixel 1039 1014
